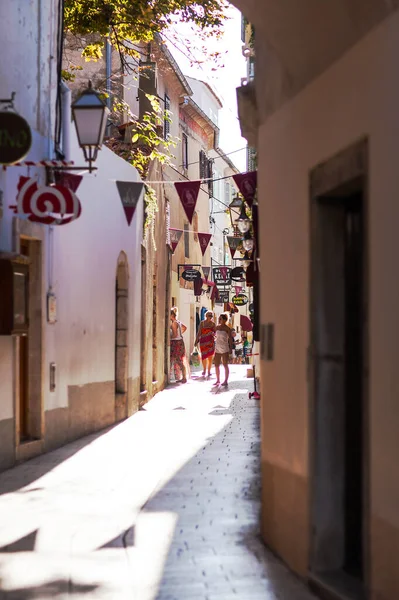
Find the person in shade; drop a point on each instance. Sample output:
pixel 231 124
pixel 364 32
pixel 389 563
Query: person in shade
pixel 177 349
pixel 223 349
pixel 206 341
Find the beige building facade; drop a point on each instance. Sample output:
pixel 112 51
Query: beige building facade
pixel 325 128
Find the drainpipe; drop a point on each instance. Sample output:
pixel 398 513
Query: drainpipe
pixel 108 73
pixel 66 98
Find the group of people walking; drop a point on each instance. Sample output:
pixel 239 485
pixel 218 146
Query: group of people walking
pixel 215 343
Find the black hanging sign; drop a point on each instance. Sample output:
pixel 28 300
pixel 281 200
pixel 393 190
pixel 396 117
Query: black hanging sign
pixel 15 137
pixel 221 276
pixel 240 300
pixel 191 275
pixel 238 274
pixel 223 297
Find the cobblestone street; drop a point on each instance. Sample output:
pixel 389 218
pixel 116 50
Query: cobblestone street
pixel 164 505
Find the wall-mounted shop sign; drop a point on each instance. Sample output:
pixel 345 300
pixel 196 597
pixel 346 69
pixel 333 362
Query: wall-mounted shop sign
pixel 240 300
pixel 221 275
pixel 224 297
pixel 15 137
pixel 238 274
pixel 191 275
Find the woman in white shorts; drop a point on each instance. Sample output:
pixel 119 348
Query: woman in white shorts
pixel 223 348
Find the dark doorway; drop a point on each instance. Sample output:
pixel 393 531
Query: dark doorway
pixel 337 353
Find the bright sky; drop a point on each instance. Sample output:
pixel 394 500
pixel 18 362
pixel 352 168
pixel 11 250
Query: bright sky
pixel 224 80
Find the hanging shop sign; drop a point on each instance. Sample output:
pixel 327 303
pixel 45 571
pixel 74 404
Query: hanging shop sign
pixel 238 274
pixel 224 297
pixel 240 300
pixel 191 275
pixel 49 205
pixel 221 275
pixel 15 137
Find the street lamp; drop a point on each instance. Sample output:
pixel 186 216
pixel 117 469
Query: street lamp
pixel 90 115
pixel 243 222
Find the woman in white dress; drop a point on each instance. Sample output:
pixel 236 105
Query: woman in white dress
pixel 223 348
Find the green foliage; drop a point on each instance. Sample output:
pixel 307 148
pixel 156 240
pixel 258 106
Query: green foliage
pixel 151 209
pixel 127 22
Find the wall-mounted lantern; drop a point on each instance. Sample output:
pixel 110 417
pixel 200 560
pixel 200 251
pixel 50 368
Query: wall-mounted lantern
pixel 90 114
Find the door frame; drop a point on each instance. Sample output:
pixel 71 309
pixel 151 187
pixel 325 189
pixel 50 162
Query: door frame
pixel 346 166
pixel 37 295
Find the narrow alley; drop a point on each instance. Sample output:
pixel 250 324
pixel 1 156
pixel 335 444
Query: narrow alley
pixel 164 505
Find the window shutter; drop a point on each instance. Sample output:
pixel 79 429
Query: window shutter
pixel 166 122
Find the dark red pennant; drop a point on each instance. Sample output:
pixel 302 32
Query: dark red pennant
pixel 204 239
pixel 224 271
pixel 205 271
pixel 246 183
pixel 215 294
pixel 233 242
pixel 198 286
pixel 175 235
pixel 129 192
pixel 188 193
pixel 68 180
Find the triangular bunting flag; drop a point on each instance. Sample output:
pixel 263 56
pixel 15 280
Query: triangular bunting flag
pixel 215 294
pixel 224 271
pixel 188 193
pixel 233 243
pixel 238 289
pixel 204 239
pixel 206 271
pixel 246 183
pixel 129 192
pixel 68 180
pixel 175 235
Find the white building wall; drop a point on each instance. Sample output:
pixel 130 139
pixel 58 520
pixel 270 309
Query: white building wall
pixel 358 96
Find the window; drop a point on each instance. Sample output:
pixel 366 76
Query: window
pixel 206 170
pixel 166 121
pixel 184 145
pixel 202 164
pixel 210 176
pixel 227 193
pixel 186 241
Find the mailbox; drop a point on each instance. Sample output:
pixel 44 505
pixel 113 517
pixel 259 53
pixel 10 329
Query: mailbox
pixel 14 294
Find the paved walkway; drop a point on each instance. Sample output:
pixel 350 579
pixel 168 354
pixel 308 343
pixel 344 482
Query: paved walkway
pixel 163 506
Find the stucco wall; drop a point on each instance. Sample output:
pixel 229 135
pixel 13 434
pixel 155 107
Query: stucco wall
pixel 84 263
pixel 358 96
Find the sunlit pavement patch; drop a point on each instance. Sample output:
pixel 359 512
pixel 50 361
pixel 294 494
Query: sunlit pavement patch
pixel 164 505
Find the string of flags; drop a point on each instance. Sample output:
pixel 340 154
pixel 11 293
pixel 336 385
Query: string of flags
pixel 59 205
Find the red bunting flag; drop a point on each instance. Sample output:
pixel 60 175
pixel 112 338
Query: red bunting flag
pixel 67 180
pixel 238 289
pixel 188 193
pixel 224 271
pixel 233 242
pixel 175 235
pixel 129 192
pixel 204 239
pixel 206 271
pixel 215 294
pixel 246 183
